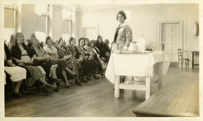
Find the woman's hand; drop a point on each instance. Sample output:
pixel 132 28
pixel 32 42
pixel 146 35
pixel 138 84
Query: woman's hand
pixel 10 63
pixel 67 57
pixel 21 64
pixel 48 58
pixel 107 54
pixel 125 47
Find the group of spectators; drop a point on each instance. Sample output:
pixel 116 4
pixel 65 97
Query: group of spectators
pixel 53 62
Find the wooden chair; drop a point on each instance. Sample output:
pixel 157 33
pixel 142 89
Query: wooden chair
pixel 194 53
pixel 182 60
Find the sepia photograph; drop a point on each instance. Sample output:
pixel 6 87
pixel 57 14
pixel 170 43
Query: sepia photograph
pixel 100 59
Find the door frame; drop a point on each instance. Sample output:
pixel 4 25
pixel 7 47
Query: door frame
pixel 170 22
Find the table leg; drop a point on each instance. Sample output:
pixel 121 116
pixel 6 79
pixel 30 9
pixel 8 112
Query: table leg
pixel 116 86
pixel 192 60
pixel 160 75
pixel 147 93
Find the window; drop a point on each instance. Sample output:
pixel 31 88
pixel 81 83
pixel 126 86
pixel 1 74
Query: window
pixel 9 21
pixel 41 21
pixel 67 23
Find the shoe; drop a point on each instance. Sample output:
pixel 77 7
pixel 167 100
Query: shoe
pixel 56 89
pixel 78 83
pixel 84 81
pixel 57 81
pixel 50 86
pixel 18 95
pixel 67 86
pixel 46 90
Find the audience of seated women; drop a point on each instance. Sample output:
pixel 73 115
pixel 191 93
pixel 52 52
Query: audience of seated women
pixel 43 59
pixel 22 56
pixel 51 53
pixel 51 63
pixel 88 65
pixel 65 54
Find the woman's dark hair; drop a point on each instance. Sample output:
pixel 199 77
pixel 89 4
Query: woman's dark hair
pixel 15 37
pixel 121 13
pixel 80 40
pixel 86 39
pixel 98 39
pixel 71 39
pixel 47 39
pixel 60 40
pixel 77 56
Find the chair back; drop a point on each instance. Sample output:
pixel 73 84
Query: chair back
pixel 180 56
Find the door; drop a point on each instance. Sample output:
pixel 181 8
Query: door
pixel 171 39
pixel 91 33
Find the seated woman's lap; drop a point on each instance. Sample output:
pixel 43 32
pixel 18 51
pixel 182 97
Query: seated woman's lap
pixel 17 73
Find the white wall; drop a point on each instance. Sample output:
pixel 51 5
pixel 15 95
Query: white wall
pixel 144 21
pixel 26 20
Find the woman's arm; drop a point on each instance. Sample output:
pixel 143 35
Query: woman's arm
pixel 67 57
pixel 128 33
pixel 41 58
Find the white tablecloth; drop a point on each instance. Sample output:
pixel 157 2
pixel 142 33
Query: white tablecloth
pixel 140 65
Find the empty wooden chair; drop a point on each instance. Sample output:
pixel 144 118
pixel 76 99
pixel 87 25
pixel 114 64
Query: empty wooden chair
pixel 182 60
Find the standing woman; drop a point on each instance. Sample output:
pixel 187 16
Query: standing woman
pixel 123 35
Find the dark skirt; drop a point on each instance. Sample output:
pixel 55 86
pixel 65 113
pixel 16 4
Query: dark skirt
pixel 88 66
pixel 61 66
pixel 35 74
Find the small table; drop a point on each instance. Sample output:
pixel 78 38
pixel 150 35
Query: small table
pixel 139 65
pixel 194 53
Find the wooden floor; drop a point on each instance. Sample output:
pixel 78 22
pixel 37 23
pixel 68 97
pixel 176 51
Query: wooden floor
pixel 94 99
pixel 180 98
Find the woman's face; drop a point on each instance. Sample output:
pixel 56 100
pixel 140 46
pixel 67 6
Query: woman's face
pixel 86 41
pixel 62 42
pixel 20 38
pixel 100 40
pixel 35 42
pixel 73 42
pixel 50 42
pixel 33 37
pixel 92 45
pixel 82 42
pixel 120 18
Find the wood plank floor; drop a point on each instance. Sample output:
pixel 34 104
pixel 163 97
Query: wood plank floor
pixel 94 99
pixel 179 98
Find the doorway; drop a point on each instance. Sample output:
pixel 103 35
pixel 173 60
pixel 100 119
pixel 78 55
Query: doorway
pixel 171 39
pixel 90 32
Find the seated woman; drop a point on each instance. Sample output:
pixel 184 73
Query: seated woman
pixel 65 54
pixel 76 56
pixel 104 52
pixel 41 58
pixel 86 46
pixel 96 54
pixel 22 56
pixel 17 74
pixel 88 65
